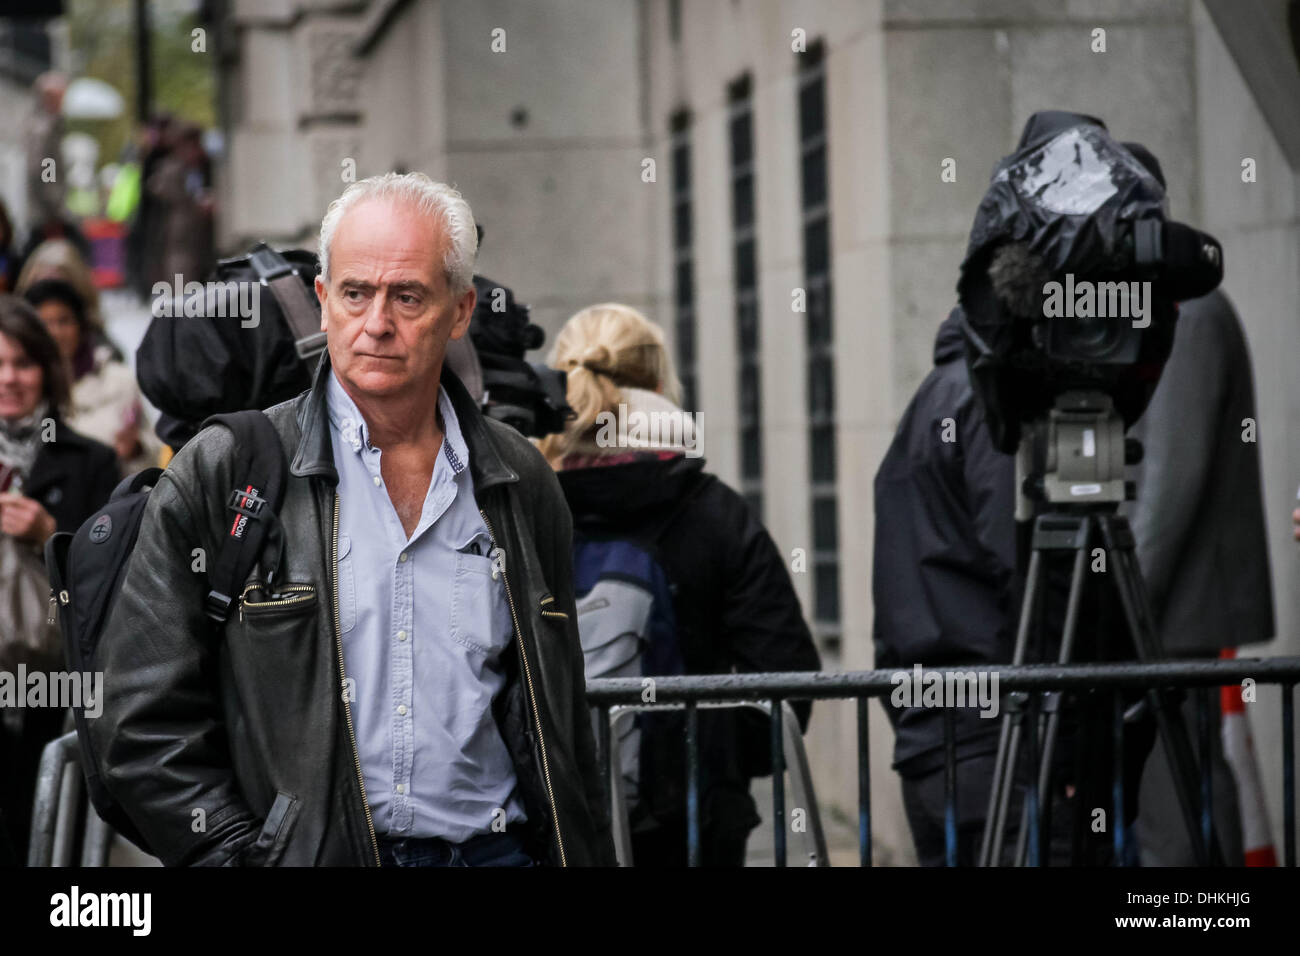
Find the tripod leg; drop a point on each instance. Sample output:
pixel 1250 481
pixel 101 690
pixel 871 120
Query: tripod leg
pixel 1054 715
pixel 1169 718
pixel 1004 767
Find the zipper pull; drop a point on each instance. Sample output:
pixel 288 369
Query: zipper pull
pixel 54 606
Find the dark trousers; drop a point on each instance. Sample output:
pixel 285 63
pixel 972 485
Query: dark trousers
pixel 1161 829
pixel 487 849
pixel 1076 835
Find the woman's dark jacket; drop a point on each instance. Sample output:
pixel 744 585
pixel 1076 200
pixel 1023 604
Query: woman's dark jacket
pixel 735 607
pixel 72 477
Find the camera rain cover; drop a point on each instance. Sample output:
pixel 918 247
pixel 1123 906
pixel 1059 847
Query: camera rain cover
pixel 1070 197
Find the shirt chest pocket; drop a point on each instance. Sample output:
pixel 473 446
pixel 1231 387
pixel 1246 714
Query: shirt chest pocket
pixel 480 615
pixel 347 585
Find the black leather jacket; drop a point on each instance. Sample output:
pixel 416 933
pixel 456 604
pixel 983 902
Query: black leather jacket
pixel 234 746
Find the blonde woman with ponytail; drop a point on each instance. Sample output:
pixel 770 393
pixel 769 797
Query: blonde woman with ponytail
pixel 673 574
pixel 614 356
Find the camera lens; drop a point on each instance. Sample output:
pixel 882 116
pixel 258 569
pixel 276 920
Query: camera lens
pixel 1092 337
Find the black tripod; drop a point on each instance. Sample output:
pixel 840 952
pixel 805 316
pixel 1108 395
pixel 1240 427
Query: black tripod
pixel 1084 458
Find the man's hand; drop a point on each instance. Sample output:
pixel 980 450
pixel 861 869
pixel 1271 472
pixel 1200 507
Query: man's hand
pixel 1295 520
pixel 25 518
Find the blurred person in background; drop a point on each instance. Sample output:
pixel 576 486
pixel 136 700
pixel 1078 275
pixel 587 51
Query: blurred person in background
pixel 46 172
pixel 51 479
pixel 1198 522
pixel 728 595
pixel 144 241
pixel 105 403
pixel 43 136
pixel 61 259
pixel 185 214
pixel 9 260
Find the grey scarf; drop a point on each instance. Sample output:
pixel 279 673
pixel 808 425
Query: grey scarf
pixel 20 440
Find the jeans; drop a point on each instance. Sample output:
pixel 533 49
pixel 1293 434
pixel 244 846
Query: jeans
pixel 486 849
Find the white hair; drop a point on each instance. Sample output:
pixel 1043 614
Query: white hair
pixel 436 200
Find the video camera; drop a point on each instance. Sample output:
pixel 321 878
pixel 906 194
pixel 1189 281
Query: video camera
pixel 1071 277
pixel 528 396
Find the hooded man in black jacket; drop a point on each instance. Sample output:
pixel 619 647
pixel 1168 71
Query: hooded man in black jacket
pixel 944 582
pixel 947 590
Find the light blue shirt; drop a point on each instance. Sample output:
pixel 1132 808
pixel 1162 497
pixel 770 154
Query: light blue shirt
pixel 424 624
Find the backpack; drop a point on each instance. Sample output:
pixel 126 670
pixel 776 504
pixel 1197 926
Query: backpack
pixel 192 366
pixel 86 568
pixel 628 628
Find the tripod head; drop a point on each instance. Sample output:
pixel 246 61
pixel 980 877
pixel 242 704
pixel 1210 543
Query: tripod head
pixel 1074 457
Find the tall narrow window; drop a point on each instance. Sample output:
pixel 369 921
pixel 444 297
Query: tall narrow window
pixel 819 336
pixel 744 250
pixel 683 259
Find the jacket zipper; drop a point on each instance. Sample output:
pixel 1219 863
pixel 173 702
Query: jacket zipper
pixel 532 694
pixel 549 599
pixel 54 605
pixel 347 708
pixel 243 597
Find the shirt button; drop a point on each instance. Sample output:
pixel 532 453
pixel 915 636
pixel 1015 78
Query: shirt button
pixel 378 481
pixel 401 709
pixel 401 788
pixel 401 635
pixel 403 557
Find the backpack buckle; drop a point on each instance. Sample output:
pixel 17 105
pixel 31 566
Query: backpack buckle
pixel 269 264
pixel 246 502
pixel 218 606
pixel 311 346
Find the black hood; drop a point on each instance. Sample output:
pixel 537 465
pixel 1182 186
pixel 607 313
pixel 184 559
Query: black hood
pixel 626 495
pixel 1045 124
pixel 949 344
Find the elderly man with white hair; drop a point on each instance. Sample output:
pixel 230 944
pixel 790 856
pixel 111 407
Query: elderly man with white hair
pixel 405 686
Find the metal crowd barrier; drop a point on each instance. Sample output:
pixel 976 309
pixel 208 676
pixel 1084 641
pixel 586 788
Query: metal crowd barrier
pixel 63 817
pixel 65 825
pixel 792 756
pixel 608 696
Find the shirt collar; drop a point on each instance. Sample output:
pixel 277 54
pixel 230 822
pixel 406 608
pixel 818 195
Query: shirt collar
pixel 346 419
pixel 350 426
pixel 453 442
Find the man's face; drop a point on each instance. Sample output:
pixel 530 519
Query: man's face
pixel 387 308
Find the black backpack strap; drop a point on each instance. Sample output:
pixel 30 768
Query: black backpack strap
pixel 252 505
pixel 136 482
pixel 299 307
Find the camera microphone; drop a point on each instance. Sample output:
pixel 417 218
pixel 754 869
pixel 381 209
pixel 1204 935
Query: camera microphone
pixel 1017 275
